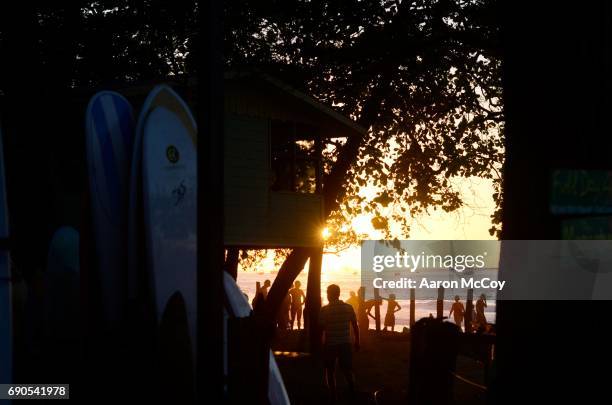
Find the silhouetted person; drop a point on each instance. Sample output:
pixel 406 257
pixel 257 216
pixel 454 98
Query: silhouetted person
pixel 353 301
pixel 362 312
pixel 264 289
pixel 335 320
pixel 369 305
pixel 481 304
pixel 258 301
pixel 260 295
pixel 283 313
pixel 459 310
pixel 392 308
pixel 297 301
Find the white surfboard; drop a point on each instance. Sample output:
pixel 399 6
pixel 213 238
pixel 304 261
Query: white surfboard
pixel 6 326
pixel 162 244
pixel 109 126
pixel 239 307
pixel 165 183
pixel 169 190
pixel 166 138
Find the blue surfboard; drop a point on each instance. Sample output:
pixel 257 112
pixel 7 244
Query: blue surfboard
pixel 109 126
pixel 6 326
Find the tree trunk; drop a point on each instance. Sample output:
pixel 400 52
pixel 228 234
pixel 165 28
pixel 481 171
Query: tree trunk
pixel 231 262
pixel 313 299
pixel 291 267
pixel 333 190
pixel 570 69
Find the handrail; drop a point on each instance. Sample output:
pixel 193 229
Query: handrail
pixel 470 382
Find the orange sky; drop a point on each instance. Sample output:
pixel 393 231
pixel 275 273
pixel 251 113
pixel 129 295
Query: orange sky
pixel 470 222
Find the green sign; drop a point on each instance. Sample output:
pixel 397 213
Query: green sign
pixel 589 228
pixel 581 192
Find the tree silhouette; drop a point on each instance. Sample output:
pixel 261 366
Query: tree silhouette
pixel 423 76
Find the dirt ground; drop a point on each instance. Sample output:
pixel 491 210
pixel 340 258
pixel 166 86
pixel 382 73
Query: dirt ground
pixel 381 371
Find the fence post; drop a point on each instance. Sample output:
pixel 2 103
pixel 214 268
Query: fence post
pixel 377 309
pixel 433 353
pixel 469 307
pixel 362 317
pixel 440 303
pixel 412 307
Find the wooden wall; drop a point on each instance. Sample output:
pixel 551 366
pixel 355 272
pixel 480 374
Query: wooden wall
pixel 255 216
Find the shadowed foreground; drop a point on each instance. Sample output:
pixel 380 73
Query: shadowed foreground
pixel 381 371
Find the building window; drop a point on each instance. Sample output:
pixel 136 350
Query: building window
pixel 294 157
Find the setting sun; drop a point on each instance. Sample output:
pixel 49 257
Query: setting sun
pixel 325 233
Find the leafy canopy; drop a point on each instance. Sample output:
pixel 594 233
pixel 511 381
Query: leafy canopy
pixel 434 68
pixel 427 72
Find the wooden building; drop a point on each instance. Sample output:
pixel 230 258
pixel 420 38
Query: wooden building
pixel 273 140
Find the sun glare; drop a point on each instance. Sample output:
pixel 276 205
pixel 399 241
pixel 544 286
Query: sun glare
pixel 325 233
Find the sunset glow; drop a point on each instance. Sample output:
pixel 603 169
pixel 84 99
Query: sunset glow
pixel 325 233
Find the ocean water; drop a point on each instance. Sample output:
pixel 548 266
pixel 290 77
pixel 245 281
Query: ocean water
pixel 351 282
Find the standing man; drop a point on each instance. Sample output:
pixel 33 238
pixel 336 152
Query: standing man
pixel 336 319
pixel 353 301
pixel 297 301
pixel 459 310
pixel 481 319
pixel 283 314
pixel 264 289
